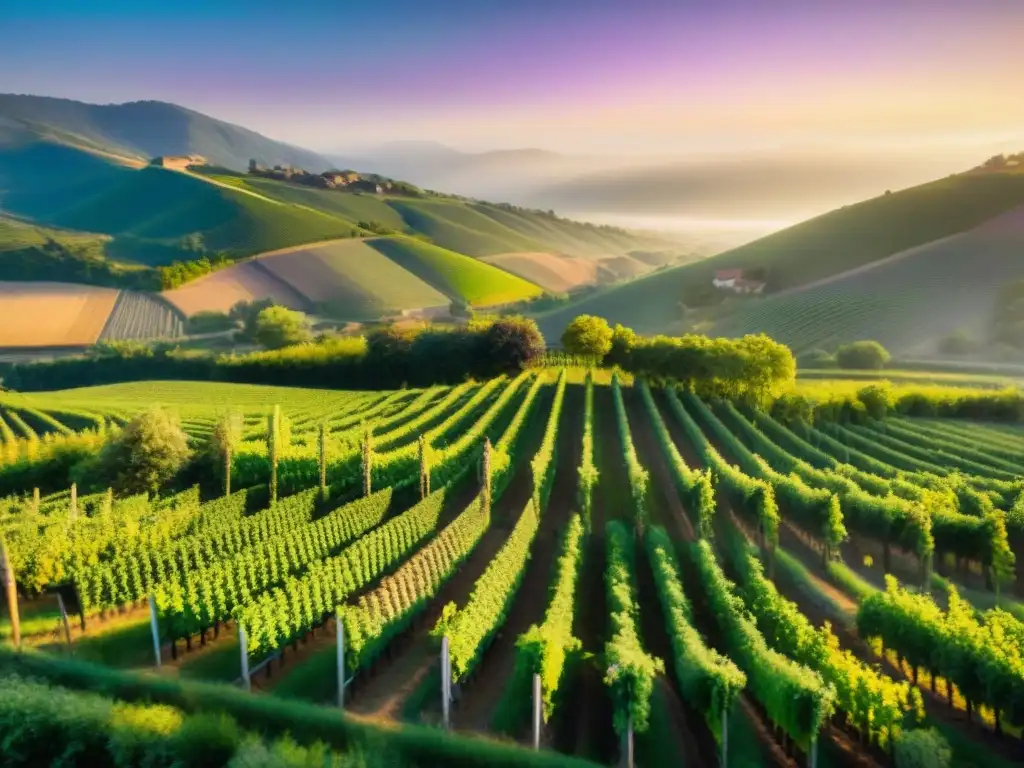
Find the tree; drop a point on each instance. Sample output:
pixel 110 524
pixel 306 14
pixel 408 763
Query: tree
pixel 878 399
pixel 817 358
pixel 220 446
pixel 918 748
pixel 623 341
pixel 588 335
pixel 147 453
pixel 867 355
pixel 958 343
pixel 278 327
pixel 247 313
pixel 511 344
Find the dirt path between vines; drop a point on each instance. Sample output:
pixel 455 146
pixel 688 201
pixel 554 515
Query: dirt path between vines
pixel 480 698
pixel 664 508
pixel 406 665
pixel 770 748
pixel 586 728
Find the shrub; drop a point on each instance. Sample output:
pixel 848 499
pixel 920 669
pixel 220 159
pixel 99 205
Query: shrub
pixel 817 358
pixel 127 348
pixel 150 450
pixel 958 343
pixel 511 344
pixel 623 341
pixel 588 335
pixel 210 321
pixel 878 399
pixel 920 748
pixel 278 327
pixel 865 355
pixel 247 313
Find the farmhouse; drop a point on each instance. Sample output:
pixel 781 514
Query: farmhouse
pixel 178 162
pixel 735 280
pixel 726 278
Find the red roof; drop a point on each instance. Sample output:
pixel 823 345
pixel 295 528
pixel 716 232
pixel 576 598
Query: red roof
pixel 729 274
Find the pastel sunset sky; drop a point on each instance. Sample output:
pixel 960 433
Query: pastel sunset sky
pixel 630 76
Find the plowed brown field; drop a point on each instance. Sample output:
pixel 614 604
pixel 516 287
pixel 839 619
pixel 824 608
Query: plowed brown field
pixel 550 271
pixel 220 291
pixel 53 314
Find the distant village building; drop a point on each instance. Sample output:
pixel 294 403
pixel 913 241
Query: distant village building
pixel 734 280
pixel 340 178
pixel 178 162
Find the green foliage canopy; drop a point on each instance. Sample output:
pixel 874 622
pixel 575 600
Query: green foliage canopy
pixel 278 327
pixel 869 355
pixel 588 335
pixel 150 450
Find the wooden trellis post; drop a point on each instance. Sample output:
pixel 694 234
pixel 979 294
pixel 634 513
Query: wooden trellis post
pixel 725 736
pixel 155 629
pixel 486 472
pixel 64 619
pixel 340 626
pixel 323 460
pixel 10 589
pixel 424 468
pixel 537 709
pixel 446 683
pixel 627 751
pixel 227 464
pixel 273 445
pixel 35 500
pixel 367 462
pixel 243 643
pixel 73 511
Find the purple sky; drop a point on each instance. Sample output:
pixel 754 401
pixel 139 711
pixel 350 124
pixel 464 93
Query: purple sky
pixel 571 75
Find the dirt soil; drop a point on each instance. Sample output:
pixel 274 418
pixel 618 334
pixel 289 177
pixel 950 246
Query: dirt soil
pixel 480 699
pixel 398 675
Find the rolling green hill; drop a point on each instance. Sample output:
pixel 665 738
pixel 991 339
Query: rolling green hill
pixel 908 302
pixel 454 274
pixel 32 252
pixel 152 216
pixel 79 204
pixel 461 228
pixel 842 240
pixel 475 229
pixel 145 129
pixel 353 280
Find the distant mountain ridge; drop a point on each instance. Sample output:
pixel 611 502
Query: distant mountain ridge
pixel 145 129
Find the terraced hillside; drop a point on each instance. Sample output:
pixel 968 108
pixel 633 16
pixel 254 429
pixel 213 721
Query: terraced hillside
pixel 828 245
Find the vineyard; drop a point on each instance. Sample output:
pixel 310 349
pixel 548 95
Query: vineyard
pixel 142 316
pixel 599 568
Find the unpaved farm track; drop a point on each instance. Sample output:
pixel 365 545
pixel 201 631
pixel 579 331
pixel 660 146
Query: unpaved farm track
pixel 394 680
pixel 479 700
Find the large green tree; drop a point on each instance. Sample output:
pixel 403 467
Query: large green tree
pixel 869 355
pixel 148 452
pixel 588 335
pixel 278 327
pixel 511 344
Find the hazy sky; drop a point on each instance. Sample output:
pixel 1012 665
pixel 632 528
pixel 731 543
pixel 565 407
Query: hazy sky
pixel 571 75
